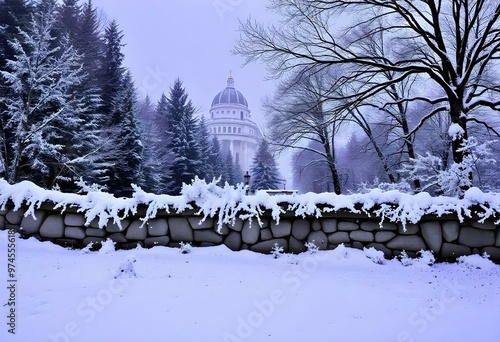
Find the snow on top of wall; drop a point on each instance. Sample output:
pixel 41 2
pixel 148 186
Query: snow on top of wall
pixel 228 203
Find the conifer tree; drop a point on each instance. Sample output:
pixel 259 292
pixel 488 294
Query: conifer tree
pixel 203 138
pixel 215 160
pixel 127 144
pixel 151 179
pixel 185 149
pixel 264 172
pixel 44 110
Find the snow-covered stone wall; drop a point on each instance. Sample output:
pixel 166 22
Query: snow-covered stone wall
pixel 207 215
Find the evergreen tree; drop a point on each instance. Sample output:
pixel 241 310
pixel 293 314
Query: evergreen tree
pixel 203 138
pixel 113 71
pixel 185 149
pixel 215 159
pixel 128 146
pixel 264 172
pixel 151 171
pixel 229 174
pixel 43 107
pixel 90 44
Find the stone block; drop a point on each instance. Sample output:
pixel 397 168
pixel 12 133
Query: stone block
pixel 338 238
pixel 381 247
pixel 267 246
pixel 361 236
pixel 357 245
pixel 156 241
pixel 237 226
pixel 431 231
pixel 112 227
pixel 95 232
pixel 196 223
pixel 266 234
pixel 408 229
pixel 488 225
pixel 384 236
pixel 451 251
pixel 2 222
pixel 15 216
pixel 389 226
pixel 233 241
pixel 329 225
pixel 315 225
pixel 450 230
pixel 207 235
pixel 347 226
pixel 75 233
pixel 473 237
pixel 222 230
pixel 296 246
pixel 95 222
pixel 412 243
pixel 74 220
pixel 118 238
pixel 250 233
pixel 497 243
pixel 493 252
pixel 137 230
pixel 319 239
pixel 30 225
pixel 157 227
pixel 370 226
pixel 301 229
pixel 180 229
pixel 52 227
pixel 284 228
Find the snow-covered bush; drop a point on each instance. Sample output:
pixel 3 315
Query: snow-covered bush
pixel 426 258
pixel 277 251
pixel 107 246
pixel 311 247
pixel 374 255
pixel 340 252
pixel 185 247
pixel 476 261
pixel 452 180
pixel 126 268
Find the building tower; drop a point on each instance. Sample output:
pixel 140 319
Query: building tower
pixel 229 121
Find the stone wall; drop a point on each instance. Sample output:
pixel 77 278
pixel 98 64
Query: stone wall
pixel 445 236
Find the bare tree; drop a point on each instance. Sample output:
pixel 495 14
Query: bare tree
pixel 301 119
pixel 453 45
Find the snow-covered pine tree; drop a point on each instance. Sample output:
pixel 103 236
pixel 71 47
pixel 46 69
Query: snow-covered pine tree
pixel 113 71
pixel 43 109
pixel 264 172
pixel 203 138
pixel 127 167
pixel 151 171
pixel 186 151
pixel 215 159
pixel 229 174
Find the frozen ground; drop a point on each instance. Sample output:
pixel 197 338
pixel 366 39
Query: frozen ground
pixel 213 294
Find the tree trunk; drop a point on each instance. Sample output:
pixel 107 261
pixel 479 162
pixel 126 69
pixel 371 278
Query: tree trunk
pixel 458 141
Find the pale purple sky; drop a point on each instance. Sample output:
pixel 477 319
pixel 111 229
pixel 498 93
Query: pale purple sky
pixel 190 39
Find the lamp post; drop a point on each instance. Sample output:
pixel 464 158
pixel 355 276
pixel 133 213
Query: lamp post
pixel 247 180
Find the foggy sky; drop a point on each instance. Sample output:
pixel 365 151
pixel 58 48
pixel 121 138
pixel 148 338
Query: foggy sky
pixel 190 39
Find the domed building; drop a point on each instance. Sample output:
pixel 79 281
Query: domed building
pixel 230 122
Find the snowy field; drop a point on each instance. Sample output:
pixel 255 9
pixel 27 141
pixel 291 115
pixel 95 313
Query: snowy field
pixel 213 294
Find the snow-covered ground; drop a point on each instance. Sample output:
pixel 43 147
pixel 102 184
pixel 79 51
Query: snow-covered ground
pixel 214 294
